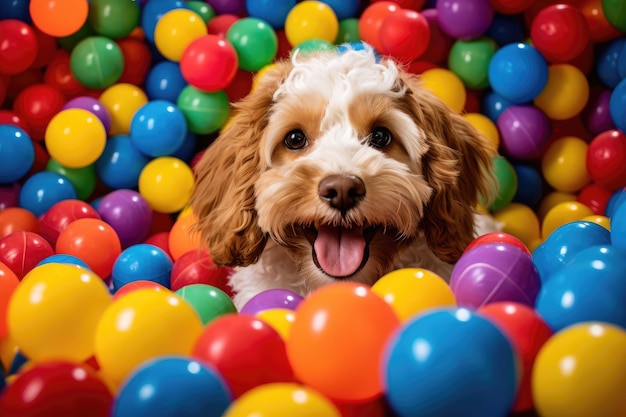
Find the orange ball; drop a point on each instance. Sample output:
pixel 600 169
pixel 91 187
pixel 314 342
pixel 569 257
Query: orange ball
pixel 59 18
pixel 17 219
pixel 182 238
pixel 338 338
pixel 8 284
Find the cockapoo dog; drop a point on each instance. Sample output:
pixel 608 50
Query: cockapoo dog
pixel 340 166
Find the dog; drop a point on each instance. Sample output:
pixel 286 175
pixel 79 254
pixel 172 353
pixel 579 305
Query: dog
pixel 340 166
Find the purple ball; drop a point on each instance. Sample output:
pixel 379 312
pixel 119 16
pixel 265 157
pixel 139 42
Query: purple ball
pixel 274 298
pixel 599 118
pixel 128 213
pixel 524 131
pixel 9 195
pixel 464 19
pixel 495 272
pixel 93 105
pixel 236 7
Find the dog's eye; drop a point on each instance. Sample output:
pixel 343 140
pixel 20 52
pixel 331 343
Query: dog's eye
pixel 380 137
pixel 295 140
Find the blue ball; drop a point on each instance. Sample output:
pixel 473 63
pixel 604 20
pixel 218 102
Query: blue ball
pixel 15 9
pixel 44 189
pixel 187 150
pixel 273 12
pixel 529 185
pixel 618 226
pixel 344 9
pixel 165 81
pixel 607 62
pixel 617 105
pixel 152 12
pixel 518 72
pixel 158 128
pixel 17 153
pixel 173 386
pixel 617 198
pixel 506 28
pixel 61 258
pixel 121 163
pixel 564 243
pixel 142 262
pixel 450 362
pixel 493 104
pixel 591 287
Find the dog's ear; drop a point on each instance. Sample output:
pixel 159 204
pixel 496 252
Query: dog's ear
pixel 224 200
pixel 457 165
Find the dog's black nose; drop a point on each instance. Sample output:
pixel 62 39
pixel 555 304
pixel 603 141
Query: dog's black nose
pixel 341 191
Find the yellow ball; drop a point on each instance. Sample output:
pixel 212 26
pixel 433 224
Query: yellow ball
pixel 54 312
pixel 564 166
pixel 75 138
pixel 122 101
pixel 167 184
pixel 259 75
pixel 280 319
pixel 562 213
pixel 311 20
pixel 552 199
pixel 142 325
pixel 565 94
pixel 282 400
pixel 485 126
pixel 581 372
pixel 175 30
pixel 447 86
pixel 410 291
pixel 520 221
pixel 598 219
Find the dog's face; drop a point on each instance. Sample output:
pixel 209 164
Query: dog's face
pixel 343 160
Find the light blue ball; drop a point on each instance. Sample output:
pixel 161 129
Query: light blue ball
pixel 617 105
pixel 273 12
pixel 158 128
pixel 44 189
pixel 121 163
pixel 17 153
pixel 142 262
pixel 165 81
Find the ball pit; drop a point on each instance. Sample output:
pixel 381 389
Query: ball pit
pixel 105 106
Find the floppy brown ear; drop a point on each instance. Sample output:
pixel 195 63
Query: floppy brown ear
pixel 224 200
pixel 458 166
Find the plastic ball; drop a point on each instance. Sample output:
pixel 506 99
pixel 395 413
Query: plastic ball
pixel 440 42
pixel 92 240
pixel 282 400
pixel 209 302
pixel 372 19
pixel 75 138
pixel 205 112
pixel 17 219
pixel 616 103
pixel 528 332
pixel 573 377
pixel 313 45
pixel 518 72
pixel 128 213
pixel 141 262
pixel 153 11
pixel 19 46
pixel 560 32
pixel 597 116
pixel 603 221
pixel 83 179
pixel 507 182
pixel 595 197
pixel 220 24
pixel 270 299
pixel 485 126
pixel 618 226
pixel 138 285
pixel 494 272
pixel 617 198
pixel 447 86
pixel 422 356
pixel 92 105
pixel 97 62
pixel 9 195
pixel 8 283
pixel 531 187
pixel 350 370
pixel 62 213
pixel 615 13
pixel 272 11
pixel 183 238
pixel 40 328
pixel 311 19
pixel 15 10
pixel 43 189
pixel 348 31
pixel 114 18
pixel 156 323
pixel 498 237
pixel 158 128
pixel 209 63
pixel 122 101
pixel 196 267
pixel 59 74
pixel 167 184
pixel 520 221
pixel 587 288
pixel 167 383
pixel 59 18
pixel 254 41
pixel 18 153
pixel 121 163
pixel 404 35
pixel 235 7
pixel 59 258
pixel 165 81
pixel 203 9
pixel 563 164
pixel 525 130
pixel 21 251
pixel 246 351
pixel 280 319
pixel 37 104
pixel 505 28
pixel 565 94
pixel 464 19
pixel 175 30
pixel 563 213
pixel 469 59
pixel 57 387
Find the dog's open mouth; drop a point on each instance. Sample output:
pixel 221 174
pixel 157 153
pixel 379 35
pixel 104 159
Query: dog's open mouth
pixel 338 251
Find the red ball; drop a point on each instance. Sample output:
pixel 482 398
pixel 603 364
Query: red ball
pixel 372 19
pixel 240 86
pixel 527 332
pixel 46 49
pixel 137 61
pixel 594 197
pixel 138 285
pixel 196 267
pixel 22 251
pixel 8 117
pixel 37 105
pixel 246 351
pixel 18 82
pixel 59 74
pixel 511 6
pixel 56 219
pixel 18 46
pixel 498 237
pixel 4 84
pixel 220 24
pixel 440 42
pixel 160 240
pixel 404 35
pixel 209 63
pixel 600 30
pixel 57 389
pixel 606 159
pixel 560 32
pixel 17 219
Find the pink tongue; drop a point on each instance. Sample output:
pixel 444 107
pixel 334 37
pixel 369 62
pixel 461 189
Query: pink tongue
pixel 339 251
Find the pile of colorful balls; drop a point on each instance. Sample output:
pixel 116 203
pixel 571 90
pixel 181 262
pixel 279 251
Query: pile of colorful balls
pixel 109 306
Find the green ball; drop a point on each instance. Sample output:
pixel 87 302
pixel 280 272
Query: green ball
pixel 348 31
pixel 506 179
pixel 97 62
pixel 208 301
pixel 204 10
pixel 114 18
pixel 205 112
pixel 83 179
pixel 255 41
pixel 469 60
pixel 313 45
pixel 69 42
pixel 615 12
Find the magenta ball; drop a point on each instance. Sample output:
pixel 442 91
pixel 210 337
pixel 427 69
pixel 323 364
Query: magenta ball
pixel 494 272
pixel 128 213
pixel 236 7
pixel 9 195
pixel 93 105
pixel 524 131
pixel 598 117
pixel 464 19
pixel 269 299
